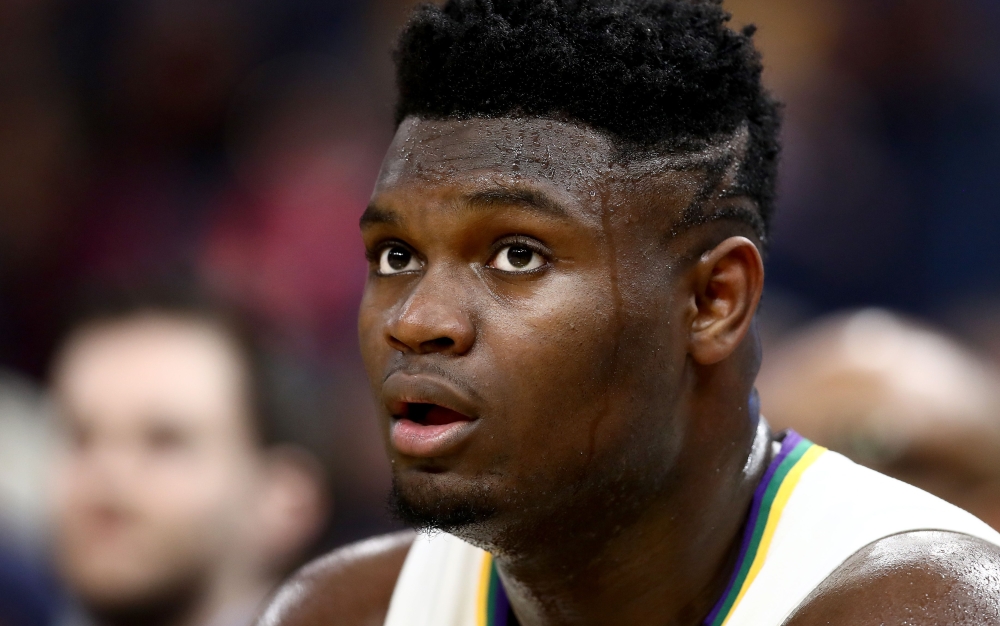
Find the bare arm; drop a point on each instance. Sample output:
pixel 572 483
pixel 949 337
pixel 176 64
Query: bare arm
pixel 351 586
pixel 919 579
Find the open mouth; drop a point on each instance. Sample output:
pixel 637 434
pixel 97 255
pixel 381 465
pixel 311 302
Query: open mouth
pixel 430 414
pixel 428 430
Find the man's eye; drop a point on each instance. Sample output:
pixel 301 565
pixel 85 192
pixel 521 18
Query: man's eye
pixel 517 258
pixel 396 259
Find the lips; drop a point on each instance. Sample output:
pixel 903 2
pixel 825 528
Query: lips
pixel 430 416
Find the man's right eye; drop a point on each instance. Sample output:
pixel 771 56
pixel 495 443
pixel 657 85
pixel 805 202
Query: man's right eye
pixel 397 259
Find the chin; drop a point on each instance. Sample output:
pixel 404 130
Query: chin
pixel 110 588
pixel 484 511
pixel 430 501
pixel 116 598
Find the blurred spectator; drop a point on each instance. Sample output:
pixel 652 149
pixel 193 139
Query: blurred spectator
pixel 895 396
pixel 176 499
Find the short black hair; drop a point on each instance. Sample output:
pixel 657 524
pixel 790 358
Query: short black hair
pixel 657 76
pixel 102 304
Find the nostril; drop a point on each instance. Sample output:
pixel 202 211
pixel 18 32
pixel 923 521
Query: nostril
pixel 441 343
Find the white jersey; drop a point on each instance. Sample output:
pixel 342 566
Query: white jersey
pixel 812 510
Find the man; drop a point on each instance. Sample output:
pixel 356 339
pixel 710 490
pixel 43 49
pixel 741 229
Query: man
pixel 895 396
pixel 558 326
pixel 175 502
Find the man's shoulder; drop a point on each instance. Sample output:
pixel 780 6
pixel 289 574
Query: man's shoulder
pixel 351 586
pixel 924 577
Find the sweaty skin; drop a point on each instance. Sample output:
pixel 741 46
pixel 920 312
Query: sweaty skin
pixel 595 410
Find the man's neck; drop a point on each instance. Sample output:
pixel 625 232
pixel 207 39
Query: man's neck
pixel 236 608
pixel 669 566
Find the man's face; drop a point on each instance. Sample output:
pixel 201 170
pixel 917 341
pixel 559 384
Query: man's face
pixel 522 324
pixel 156 471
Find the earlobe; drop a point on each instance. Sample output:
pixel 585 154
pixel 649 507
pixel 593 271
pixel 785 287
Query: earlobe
pixel 727 284
pixel 293 505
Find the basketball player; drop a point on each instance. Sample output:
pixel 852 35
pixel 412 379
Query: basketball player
pixel 565 244
pixel 177 501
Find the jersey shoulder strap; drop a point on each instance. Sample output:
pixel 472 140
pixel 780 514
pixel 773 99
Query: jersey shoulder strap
pixel 447 582
pixel 830 511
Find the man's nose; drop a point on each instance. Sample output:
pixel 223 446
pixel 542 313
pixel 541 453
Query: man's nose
pixel 433 319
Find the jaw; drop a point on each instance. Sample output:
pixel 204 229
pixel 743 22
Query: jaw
pixel 433 500
pixel 528 512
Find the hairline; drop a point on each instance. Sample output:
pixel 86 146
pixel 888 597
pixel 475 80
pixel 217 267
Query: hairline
pixel 718 156
pixel 240 348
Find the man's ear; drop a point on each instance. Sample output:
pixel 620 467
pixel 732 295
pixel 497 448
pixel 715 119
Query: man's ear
pixel 293 505
pixel 726 286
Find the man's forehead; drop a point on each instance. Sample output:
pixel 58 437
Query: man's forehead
pixel 438 150
pixel 573 156
pixel 150 355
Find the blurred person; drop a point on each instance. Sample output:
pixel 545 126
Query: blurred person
pixel 559 328
pixel 895 396
pixel 176 501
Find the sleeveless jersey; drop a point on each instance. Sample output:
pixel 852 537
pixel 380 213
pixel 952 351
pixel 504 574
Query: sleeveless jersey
pixel 812 510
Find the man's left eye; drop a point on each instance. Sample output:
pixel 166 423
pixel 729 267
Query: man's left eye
pixel 395 260
pixel 517 258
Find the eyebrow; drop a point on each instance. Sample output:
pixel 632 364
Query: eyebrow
pixel 521 196
pixel 531 199
pixel 375 214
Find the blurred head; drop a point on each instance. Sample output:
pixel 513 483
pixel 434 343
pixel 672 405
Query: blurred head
pixel 895 396
pixel 563 245
pixel 171 492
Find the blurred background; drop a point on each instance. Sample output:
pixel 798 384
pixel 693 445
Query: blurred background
pixel 233 144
